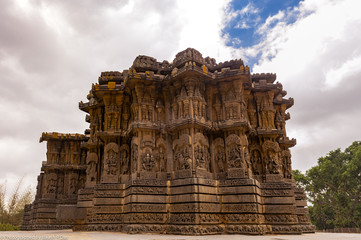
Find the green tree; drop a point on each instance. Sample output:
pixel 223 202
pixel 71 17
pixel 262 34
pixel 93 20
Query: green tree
pixel 12 209
pixel 333 187
pixel 301 179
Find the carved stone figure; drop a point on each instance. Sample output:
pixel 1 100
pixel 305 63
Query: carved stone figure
pixel 287 169
pixel 91 171
pixel 256 161
pixel 124 160
pixel 272 163
pixel 60 186
pixel 134 157
pixel 236 158
pixel 73 185
pixel 111 163
pixel 183 158
pixel 51 183
pixel 161 160
pixel 220 157
pixel 81 183
pixel 279 121
pixel 148 161
pixel 202 157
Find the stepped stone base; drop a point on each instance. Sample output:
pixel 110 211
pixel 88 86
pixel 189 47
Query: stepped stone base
pixel 194 206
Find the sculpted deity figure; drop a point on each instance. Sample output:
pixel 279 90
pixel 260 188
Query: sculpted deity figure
pixel 114 124
pixel 150 114
pixel 92 100
pixel 202 158
pixel 111 163
pixel 178 157
pixel 278 120
pixel 60 188
pixel 270 119
pixel 198 155
pixel 243 110
pixel 220 160
pixel 124 162
pixel 272 165
pixel 148 162
pixel 187 158
pixel 134 157
pixel 161 160
pixel 82 180
pixel 235 157
pixel 183 159
pixel 264 119
pixel 109 121
pixel 246 156
pixel 51 186
pixel 144 114
pixel 255 161
pixel 91 160
pixel 73 185
pixel 50 183
pixel 287 165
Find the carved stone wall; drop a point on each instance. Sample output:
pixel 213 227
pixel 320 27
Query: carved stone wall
pixel 188 147
pixel 63 174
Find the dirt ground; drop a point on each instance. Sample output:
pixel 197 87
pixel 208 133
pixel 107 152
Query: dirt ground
pixel 70 235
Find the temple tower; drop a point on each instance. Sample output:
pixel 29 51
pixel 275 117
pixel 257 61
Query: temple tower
pixel 188 147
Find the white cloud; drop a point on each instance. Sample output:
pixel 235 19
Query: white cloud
pixel 245 18
pixel 202 28
pixel 335 76
pixel 317 59
pixel 51 52
pixel 249 10
pixel 269 21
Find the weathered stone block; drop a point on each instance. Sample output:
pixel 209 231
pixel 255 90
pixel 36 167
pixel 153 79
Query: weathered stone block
pixel 133 207
pixel 290 209
pixel 279 200
pixel 145 199
pixel 193 189
pixel 242 208
pixel 195 207
pixel 69 212
pixel 237 173
pixel 240 190
pixel 301 203
pixel 108 201
pixel 245 198
pixel 193 198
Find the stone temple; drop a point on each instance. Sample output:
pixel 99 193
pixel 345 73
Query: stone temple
pixel 188 147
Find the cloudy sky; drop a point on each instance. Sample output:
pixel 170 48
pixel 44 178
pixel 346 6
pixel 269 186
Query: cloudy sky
pixel 52 51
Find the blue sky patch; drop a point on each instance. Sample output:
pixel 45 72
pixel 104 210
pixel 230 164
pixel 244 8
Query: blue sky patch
pixel 245 17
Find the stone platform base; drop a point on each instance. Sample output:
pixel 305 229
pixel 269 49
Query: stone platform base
pixel 188 206
pixel 198 229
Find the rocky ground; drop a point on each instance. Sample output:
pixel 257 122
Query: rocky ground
pixel 70 235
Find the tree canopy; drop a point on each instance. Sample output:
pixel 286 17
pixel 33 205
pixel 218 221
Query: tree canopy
pixel 333 187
